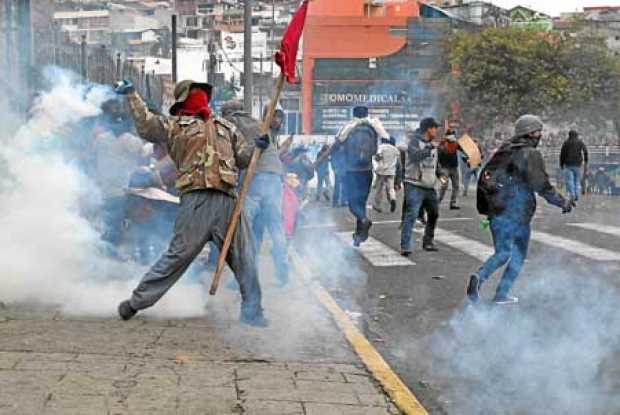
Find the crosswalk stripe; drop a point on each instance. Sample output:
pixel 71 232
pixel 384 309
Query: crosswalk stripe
pixel 482 251
pixel 597 227
pixel 377 253
pixel 579 248
pixel 472 248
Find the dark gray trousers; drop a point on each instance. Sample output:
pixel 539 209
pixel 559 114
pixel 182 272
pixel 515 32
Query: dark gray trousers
pixel 203 216
pixel 451 174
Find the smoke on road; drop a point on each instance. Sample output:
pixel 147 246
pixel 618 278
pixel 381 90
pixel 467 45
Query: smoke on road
pixel 546 355
pixel 52 251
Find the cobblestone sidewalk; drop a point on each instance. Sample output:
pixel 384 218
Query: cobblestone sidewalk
pixel 301 364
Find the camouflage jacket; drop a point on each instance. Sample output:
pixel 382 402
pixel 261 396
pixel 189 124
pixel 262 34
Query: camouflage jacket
pixel 207 155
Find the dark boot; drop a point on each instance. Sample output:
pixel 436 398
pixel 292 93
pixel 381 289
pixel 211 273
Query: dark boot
pixel 126 311
pixel 473 288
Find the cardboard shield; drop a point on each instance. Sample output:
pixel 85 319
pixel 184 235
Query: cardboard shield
pixel 153 193
pixel 472 153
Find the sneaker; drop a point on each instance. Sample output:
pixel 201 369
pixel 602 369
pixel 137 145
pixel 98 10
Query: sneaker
pixel 392 206
pixel 430 247
pixel 473 288
pixel 454 207
pixel 126 311
pixel 505 300
pixel 257 320
pixel 406 254
pixel 364 229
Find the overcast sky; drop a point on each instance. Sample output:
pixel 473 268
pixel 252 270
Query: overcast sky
pixel 555 7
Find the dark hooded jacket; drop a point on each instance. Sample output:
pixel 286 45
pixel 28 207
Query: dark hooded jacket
pixel 509 181
pixel 574 152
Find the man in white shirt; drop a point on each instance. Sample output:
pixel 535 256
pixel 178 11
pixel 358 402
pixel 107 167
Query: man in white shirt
pixel 387 159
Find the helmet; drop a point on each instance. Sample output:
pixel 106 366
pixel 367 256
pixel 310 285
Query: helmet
pixel 528 124
pixel 181 92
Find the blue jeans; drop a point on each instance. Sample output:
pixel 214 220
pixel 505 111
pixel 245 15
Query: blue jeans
pixel 357 189
pixel 339 198
pixel 417 198
pixel 263 208
pixel 468 174
pixel 572 176
pixel 322 181
pixel 511 239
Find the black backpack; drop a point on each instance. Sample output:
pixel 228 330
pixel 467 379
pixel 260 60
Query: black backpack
pixel 360 147
pixel 496 175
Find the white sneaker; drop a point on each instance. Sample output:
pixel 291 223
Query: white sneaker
pixel 507 300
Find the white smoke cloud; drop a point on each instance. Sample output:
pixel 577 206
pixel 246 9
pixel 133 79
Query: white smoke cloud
pixel 50 252
pixel 547 355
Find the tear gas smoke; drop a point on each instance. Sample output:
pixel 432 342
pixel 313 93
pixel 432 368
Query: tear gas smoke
pixel 51 251
pixel 547 355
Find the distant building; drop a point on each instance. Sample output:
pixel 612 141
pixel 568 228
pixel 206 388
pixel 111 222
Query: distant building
pixel 593 24
pixel 481 13
pixel 525 17
pixel 383 55
pixel 93 25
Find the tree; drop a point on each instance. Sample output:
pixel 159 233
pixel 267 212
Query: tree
pixel 502 73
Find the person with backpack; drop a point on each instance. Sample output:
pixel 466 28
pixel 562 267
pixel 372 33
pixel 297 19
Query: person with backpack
pixel 573 158
pixel 359 141
pixel 263 204
pixel 506 194
pixel 420 177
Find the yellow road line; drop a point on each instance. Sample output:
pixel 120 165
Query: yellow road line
pixel 404 399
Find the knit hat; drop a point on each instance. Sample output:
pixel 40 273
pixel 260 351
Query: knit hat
pixel 528 124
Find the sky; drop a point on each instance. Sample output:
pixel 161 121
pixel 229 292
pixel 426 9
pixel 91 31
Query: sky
pixel 555 7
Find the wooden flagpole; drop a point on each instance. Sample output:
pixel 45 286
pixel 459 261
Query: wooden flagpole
pixel 234 220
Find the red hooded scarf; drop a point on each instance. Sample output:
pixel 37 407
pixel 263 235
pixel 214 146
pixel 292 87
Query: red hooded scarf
pixel 197 105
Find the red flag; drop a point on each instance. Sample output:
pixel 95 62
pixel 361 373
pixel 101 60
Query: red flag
pixel 286 57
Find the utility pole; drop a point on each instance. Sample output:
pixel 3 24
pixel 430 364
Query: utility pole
pixel 83 70
pixel 248 65
pixel 24 45
pixel 8 40
pixel 212 62
pixel 174 48
pixel 273 32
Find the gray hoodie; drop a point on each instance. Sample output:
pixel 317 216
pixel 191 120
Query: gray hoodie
pixel 420 163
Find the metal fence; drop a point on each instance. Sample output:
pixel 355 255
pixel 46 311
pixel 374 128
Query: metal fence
pixel 98 64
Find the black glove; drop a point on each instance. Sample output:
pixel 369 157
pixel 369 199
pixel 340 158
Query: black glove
pixel 568 206
pixel 124 87
pixel 262 142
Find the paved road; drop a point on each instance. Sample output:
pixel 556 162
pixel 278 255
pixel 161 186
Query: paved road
pixel 555 352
